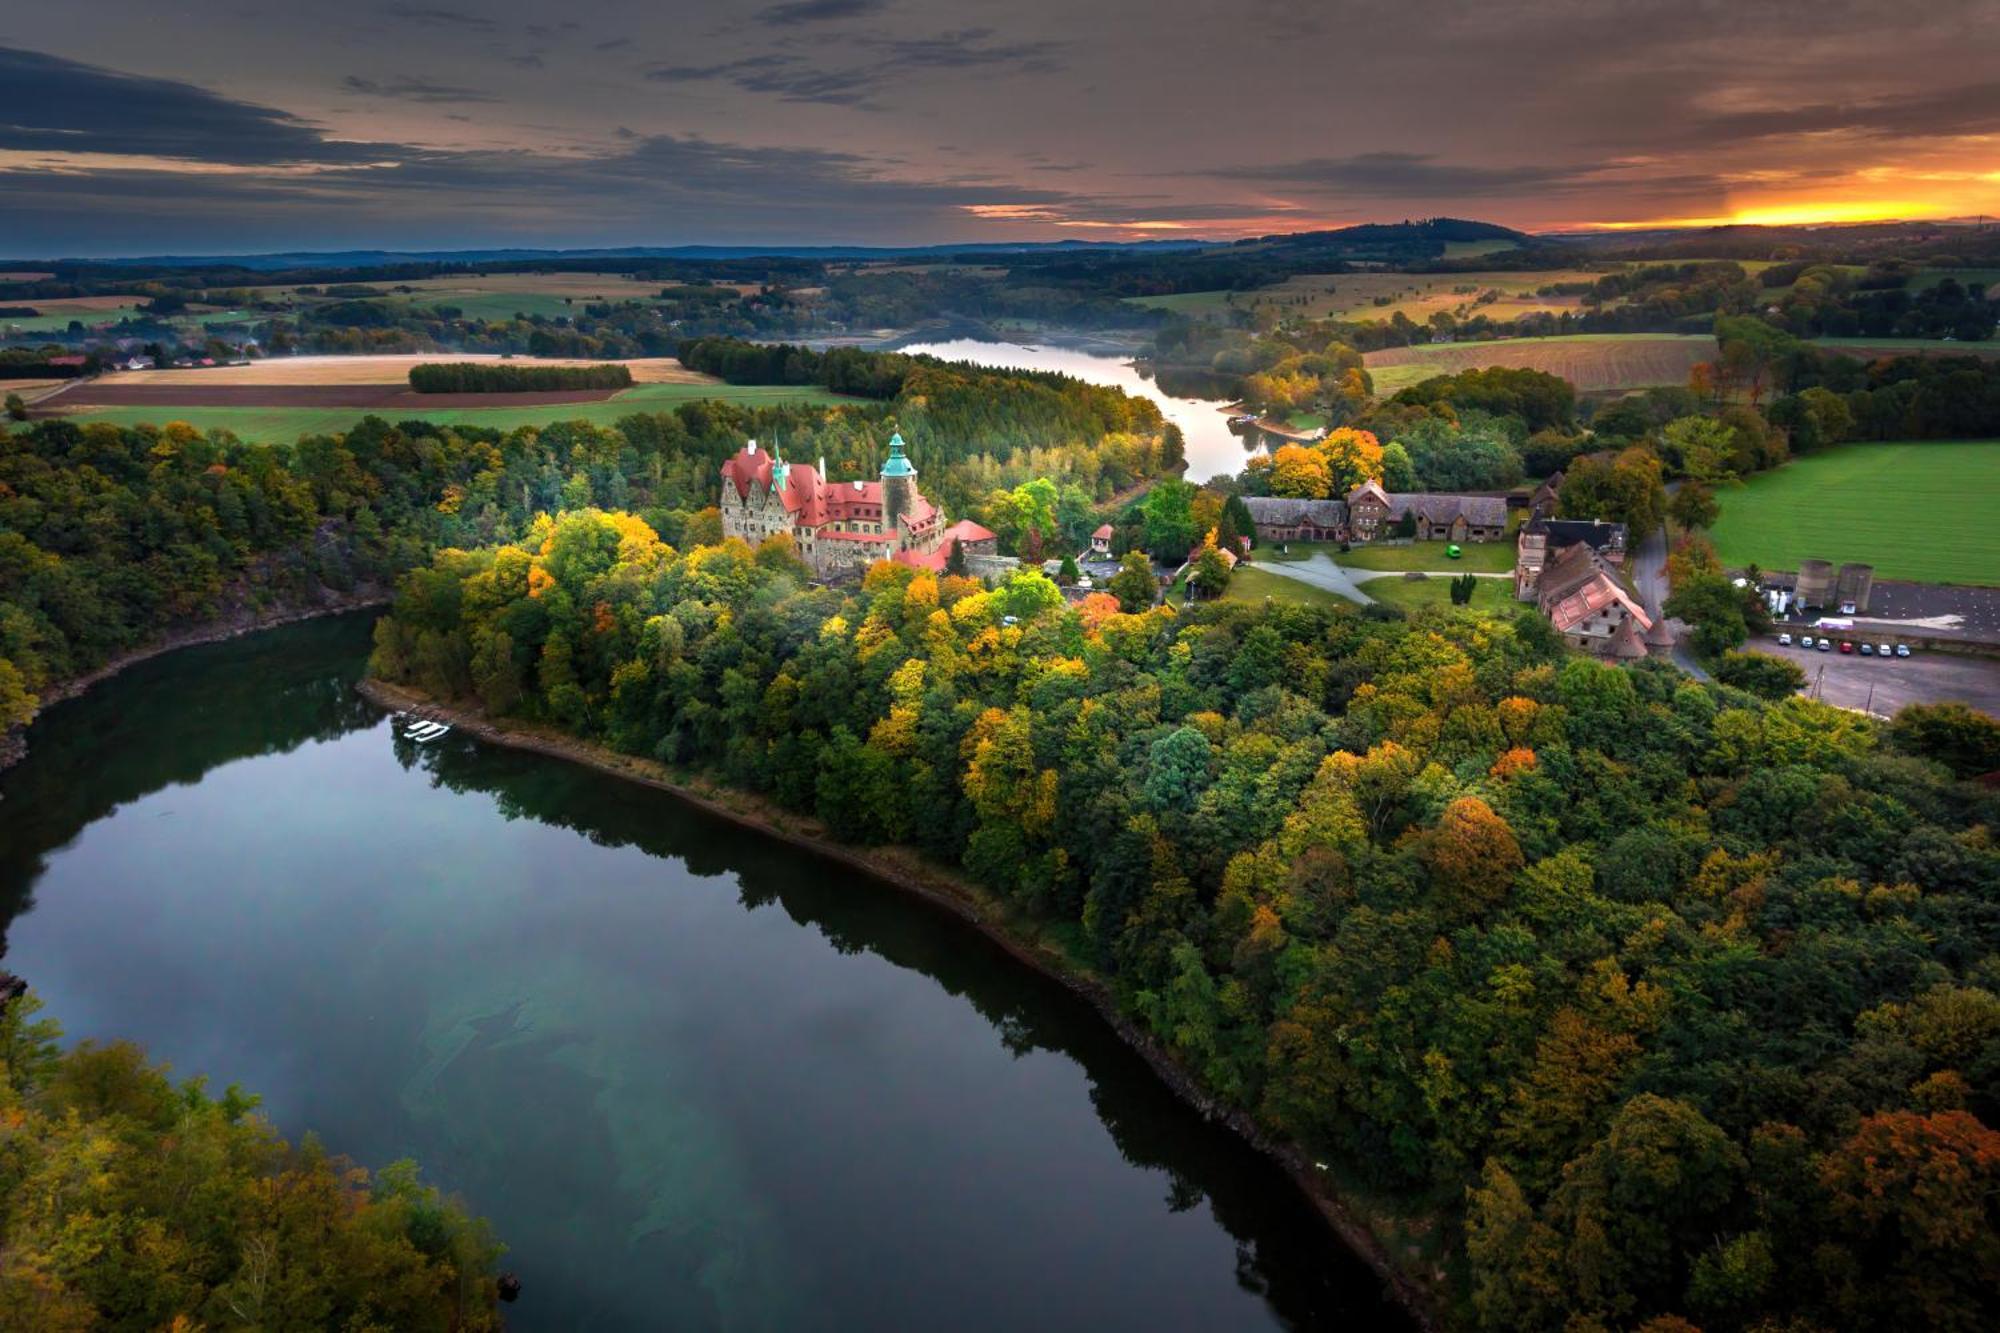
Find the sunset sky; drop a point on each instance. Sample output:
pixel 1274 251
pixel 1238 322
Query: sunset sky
pixel 234 127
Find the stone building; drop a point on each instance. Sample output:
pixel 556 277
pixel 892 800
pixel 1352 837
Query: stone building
pixel 842 527
pixel 1542 539
pixel 1373 512
pixel 1369 512
pixel 1592 611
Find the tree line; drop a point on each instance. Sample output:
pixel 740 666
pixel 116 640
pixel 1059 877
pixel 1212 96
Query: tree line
pixel 1645 999
pixel 488 377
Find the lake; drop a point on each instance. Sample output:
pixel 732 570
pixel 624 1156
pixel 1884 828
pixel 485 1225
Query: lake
pixel 1213 448
pixel 697 1079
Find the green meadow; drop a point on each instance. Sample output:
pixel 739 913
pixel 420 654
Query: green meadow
pixel 1919 511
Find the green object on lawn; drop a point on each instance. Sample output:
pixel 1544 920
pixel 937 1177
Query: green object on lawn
pixel 1453 551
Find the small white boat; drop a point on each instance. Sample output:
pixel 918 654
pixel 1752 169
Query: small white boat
pixel 425 731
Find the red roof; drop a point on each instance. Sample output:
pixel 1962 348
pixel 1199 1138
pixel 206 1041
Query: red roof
pixel 965 530
pixel 1102 534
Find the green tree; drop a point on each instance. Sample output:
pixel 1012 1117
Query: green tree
pixel 1760 673
pixel 1962 739
pixel 1134 585
pixel 1694 506
pixel 17 410
pixel 1169 519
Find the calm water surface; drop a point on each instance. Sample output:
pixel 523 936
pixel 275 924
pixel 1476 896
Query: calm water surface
pixel 1213 448
pixel 697 1080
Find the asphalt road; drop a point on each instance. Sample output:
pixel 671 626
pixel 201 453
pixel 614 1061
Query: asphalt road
pixel 1882 687
pixel 1648 572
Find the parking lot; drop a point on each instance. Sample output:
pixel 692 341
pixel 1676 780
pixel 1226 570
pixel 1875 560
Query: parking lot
pixel 1882 687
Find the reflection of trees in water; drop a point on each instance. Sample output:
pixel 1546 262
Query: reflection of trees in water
pixel 169 721
pixel 1285 1251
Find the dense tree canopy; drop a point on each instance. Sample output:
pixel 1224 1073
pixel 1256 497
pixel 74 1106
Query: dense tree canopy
pixel 1674 1000
pixel 129 1202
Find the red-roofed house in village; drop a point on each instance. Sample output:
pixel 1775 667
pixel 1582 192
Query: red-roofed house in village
pixel 842 527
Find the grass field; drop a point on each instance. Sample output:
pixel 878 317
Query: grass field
pixel 282 425
pixel 1591 361
pixel 1868 348
pixel 1251 584
pixel 1491 595
pixel 1922 512
pixel 1481 557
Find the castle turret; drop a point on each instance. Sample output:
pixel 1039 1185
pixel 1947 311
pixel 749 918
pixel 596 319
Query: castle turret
pixel 899 485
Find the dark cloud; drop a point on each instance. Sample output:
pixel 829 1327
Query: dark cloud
pixel 615 44
pixel 1965 110
pixel 818 11
pixel 439 18
pixel 412 90
pixel 793 78
pixel 65 106
pixel 788 77
pixel 965 48
pixel 1409 175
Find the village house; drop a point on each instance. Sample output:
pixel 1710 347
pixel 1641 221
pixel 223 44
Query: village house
pixel 1587 605
pixel 1369 512
pixel 1280 519
pixel 843 527
pixel 1100 542
pixel 1542 539
pixel 1373 512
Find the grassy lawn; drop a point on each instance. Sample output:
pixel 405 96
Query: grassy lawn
pixel 1491 595
pixel 1483 557
pixel 282 425
pixel 1183 303
pixel 1253 585
pixel 1920 511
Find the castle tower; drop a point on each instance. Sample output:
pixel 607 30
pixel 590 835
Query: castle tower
pixel 899 486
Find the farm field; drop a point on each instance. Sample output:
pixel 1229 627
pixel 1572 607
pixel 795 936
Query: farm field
pixel 1417 295
pixel 282 425
pixel 1593 362
pixel 1494 596
pixel 1919 511
pixel 290 370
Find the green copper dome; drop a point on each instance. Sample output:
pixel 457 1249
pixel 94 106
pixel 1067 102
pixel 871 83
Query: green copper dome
pixel 898 464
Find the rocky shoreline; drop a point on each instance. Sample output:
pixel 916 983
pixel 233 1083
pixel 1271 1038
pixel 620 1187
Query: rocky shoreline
pixel 1421 1296
pixel 14 742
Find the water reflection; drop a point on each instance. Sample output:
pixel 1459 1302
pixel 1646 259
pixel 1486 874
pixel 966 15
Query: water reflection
pixel 1188 399
pixel 698 1078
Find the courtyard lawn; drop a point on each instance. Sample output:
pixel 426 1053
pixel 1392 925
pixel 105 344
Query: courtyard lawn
pixel 1493 596
pixel 1251 584
pixel 1480 557
pixel 1919 511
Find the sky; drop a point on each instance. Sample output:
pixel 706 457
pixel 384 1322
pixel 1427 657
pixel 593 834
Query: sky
pixel 151 127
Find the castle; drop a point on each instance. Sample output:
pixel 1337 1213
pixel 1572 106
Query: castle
pixel 842 527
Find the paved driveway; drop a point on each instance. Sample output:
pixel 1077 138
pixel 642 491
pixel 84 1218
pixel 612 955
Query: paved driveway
pixel 1883 687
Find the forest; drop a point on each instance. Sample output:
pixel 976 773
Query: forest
pixel 1653 1002
pixel 111 537
pixel 130 1202
pixel 486 377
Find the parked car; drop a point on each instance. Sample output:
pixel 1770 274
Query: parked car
pixel 1883 649
pixel 1868 650
pixel 1847 646
pixel 1785 639
pixel 1805 640
pixel 1824 645
pixel 1902 650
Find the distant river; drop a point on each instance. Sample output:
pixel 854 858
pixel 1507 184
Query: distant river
pixel 697 1079
pixel 1213 448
